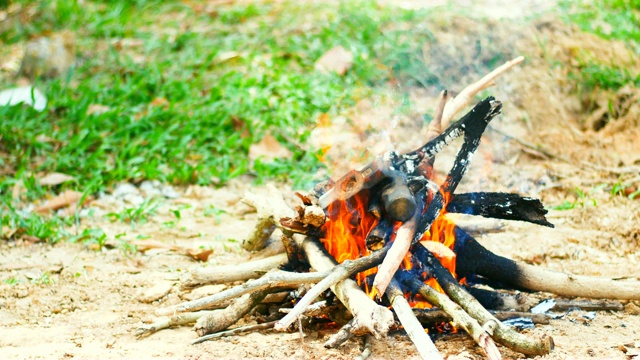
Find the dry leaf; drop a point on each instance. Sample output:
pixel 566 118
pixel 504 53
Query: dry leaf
pixel 18 189
pixel 54 179
pixel 337 60
pixel 97 109
pixel 63 200
pixel 268 149
pixel 199 254
pixel 438 249
pixel 160 101
pixel 145 245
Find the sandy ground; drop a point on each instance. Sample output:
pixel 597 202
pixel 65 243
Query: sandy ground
pixel 71 301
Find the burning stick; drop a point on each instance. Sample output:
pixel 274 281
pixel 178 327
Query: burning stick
pixel 398 251
pixel 500 332
pixel 422 341
pixel 230 273
pixel 483 113
pixel 337 274
pixel 430 317
pixel 474 258
pixel 369 317
pixel 465 96
pixel 459 316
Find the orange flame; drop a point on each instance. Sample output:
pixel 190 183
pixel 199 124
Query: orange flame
pixel 346 232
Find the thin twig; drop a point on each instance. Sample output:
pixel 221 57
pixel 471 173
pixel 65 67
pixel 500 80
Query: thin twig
pixel 236 331
pixel 340 337
pixel 368 347
pixel 177 320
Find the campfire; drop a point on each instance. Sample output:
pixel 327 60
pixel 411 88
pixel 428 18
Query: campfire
pixel 381 239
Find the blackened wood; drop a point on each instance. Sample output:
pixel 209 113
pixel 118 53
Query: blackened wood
pixel 398 200
pixel 500 206
pixel 495 300
pixel 473 258
pixel 475 122
pixel 380 234
pixel 430 317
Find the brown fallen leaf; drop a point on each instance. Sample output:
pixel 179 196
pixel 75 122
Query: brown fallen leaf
pixel 54 179
pixel 337 60
pixel 97 109
pixel 199 254
pixel 63 200
pixel 160 101
pixel 268 149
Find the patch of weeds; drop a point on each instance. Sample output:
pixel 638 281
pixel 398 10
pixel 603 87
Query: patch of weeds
pixel 136 215
pixel 13 281
pixel 44 279
pixel 50 229
pixel 91 236
pixel 581 199
pixel 212 211
pixel 610 19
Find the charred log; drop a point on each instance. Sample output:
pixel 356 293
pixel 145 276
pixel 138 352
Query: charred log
pixel 500 206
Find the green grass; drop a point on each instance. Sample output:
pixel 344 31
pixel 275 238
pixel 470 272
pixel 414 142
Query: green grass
pixel 613 20
pixel 187 103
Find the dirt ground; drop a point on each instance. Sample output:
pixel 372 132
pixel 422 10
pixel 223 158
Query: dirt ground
pixel 72 301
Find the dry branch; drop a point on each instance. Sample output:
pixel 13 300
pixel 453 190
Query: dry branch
pixel 230 273
pixel 459 316
pixel 412 326
pixel 340 337
pixel 274 279
pixel 238 330
pixel 465 96
pixel 219 320
pixel 337 274
pixel 500 332
pixel 368 347
pixel 369 317
pixel 177 320
pixel 271 209
pixel 430 317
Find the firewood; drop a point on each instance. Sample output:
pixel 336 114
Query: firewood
pixel 398 250
pixel 500 206
pixel 230 273
pixel 340 337
pixel 465 96
pixel 499 332
pixel 271 209
pixel 337 274
pixel 164 323
pixel 431 317
pixel 219 320
pixel 398 200
pixel 482 114
pixel 236 331
pixel 425 346
pixel 379 235
pixel 277 279
pixel 368 347
pixel 459 316
pixel 369 317
pixel 473 258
